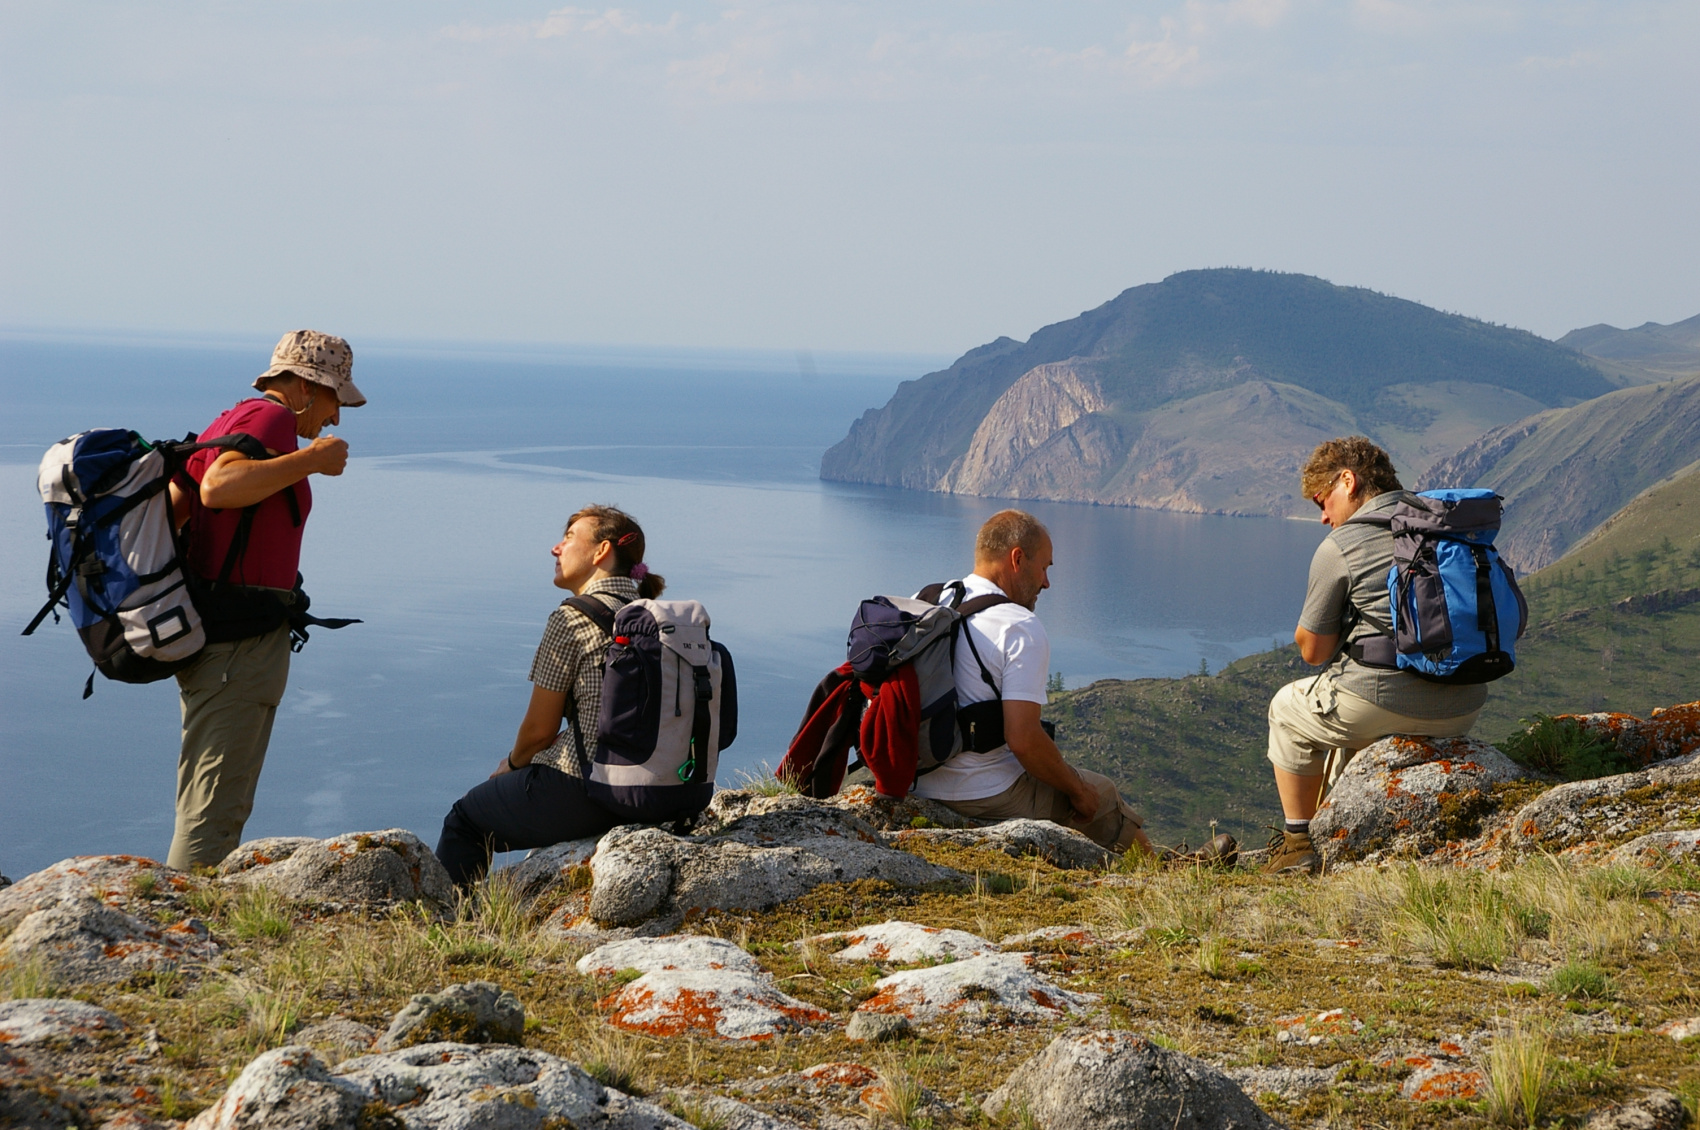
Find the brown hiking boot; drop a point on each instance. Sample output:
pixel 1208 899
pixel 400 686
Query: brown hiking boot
pixel 1291 853
pixel 1223 851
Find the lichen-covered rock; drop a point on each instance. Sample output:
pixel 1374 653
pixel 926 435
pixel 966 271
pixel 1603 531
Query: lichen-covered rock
pixel 967 988
pixel 904 943
pixel 876 1027
pixel 477 1012
pixel 881 813
pixel 1409 797
pixel 84 942
pixel 1316 1027
pixel 1055 844
pixel 130 883
pixel 775 851
pixel 36 1021
pixel 367 869
pixel 729 1004
pixel 1684 1029
pixel 286 1089
pixel 1589 817
pixel 1437 1079
pixel 339 1035
pixel 1656 848
pixel 676 951
pixel 1081 936
pixel 262 853
pixel 1658 1110
pixel 30 1099
pixel 1119 1081
pixel 1292 1084
pixel 1670 732
pixel 559 867
pixel 705 1108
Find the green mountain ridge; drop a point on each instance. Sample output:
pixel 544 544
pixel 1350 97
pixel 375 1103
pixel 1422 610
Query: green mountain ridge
pixel 1202 392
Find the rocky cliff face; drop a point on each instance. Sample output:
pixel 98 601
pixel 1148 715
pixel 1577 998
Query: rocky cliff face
pixel 1564 472
pixel 1204 393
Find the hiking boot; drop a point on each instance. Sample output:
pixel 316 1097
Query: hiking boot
pixel 1291 853
pixel 1223 851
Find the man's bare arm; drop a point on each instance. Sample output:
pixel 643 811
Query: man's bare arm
pixel 235 481
pixel 1039 755
pixel 1314 649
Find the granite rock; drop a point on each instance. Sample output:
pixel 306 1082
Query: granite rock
pixel 86 942
pixel 36 1021
pixel 477 1012
pixel 970 987
pixel 905 943
pixel 1086 1080
pixel 365 869
pixel 1055 844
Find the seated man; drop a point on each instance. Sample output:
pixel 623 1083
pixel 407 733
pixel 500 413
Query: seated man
pixel 1316 725
pixel 1004 654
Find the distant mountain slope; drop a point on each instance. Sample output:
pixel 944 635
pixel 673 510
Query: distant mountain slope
pixel 1565 471
pixel 1203 392
pixel 1645 354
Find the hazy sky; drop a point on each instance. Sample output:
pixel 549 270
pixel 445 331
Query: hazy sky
pixel 834 175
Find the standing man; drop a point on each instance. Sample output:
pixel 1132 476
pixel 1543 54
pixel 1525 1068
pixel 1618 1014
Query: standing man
pixel 1004 656
pixel 1316 725
pixel 246 516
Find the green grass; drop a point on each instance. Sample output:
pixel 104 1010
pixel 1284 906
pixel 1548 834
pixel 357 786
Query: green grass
pixel 1562 748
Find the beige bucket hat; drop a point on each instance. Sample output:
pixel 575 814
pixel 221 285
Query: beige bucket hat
pixel 320 358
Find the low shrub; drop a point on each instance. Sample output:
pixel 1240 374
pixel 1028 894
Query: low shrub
pixel 1563 748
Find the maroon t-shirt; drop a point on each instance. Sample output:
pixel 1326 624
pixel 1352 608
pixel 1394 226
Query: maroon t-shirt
pixel 274 544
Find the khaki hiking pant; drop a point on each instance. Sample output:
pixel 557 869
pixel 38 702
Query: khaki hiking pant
pixel 1031 799
pixel 1315 729
pixel 230 695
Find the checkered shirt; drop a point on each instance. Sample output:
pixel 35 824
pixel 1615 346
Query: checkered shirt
pixel 569 661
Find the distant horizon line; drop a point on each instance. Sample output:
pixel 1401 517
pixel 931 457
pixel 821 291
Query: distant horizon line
pixel 769 357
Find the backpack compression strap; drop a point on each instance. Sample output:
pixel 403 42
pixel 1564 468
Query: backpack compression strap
pixel 981 723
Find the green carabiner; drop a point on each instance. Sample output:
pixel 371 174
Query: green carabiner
pixel 687 770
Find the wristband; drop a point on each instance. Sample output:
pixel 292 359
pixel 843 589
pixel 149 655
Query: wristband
pixel 512 768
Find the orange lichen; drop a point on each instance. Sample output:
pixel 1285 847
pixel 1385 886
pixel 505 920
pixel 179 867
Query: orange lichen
pixel 840 1074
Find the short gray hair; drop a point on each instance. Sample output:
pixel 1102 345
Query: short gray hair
pixel 1004 531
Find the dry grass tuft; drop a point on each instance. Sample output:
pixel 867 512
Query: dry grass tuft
pixel 1519 1073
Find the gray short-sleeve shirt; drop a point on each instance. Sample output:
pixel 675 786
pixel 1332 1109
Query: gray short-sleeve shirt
pixel 1350 568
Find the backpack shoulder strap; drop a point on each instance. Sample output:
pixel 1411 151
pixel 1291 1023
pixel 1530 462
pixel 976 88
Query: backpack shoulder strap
pixel 966 609
pixel 598 612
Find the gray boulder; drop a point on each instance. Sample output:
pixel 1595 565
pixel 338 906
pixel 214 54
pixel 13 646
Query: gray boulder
pixel 869 808
pixel 1657 847
pixel 773 852
pixel 1610 810
pixel 1057 845
pixel 31 1099
pixel 366 869
pixel 1411 797
pixel 495 1087
pixel 876 1027
pixel 549 869
pixel 34 1021
pixel 1658 1110
pixel 262 853
pixel 474 1013
pixel 125 882
pixel 705 1109
pixel 340 1036
pixel 286 1089
pixel 84 942
pixel 1088 1080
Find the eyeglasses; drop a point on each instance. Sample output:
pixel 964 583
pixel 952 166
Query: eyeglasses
pixel 1325 491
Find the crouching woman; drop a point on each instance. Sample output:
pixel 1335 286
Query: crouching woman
pixel 536 797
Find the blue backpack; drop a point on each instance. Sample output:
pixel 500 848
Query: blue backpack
pixel 1457 610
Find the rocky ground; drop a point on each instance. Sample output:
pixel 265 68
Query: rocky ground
pixel 1489 947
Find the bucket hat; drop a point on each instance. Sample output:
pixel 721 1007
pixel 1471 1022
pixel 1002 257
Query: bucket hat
pixel 321 358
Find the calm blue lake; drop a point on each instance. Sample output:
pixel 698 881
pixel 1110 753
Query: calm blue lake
pixel 463 469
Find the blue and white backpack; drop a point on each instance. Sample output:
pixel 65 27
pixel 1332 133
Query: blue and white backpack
pixel 669 706
pixel 116 561
pixel 1457 610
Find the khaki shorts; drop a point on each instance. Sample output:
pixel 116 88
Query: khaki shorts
pixel 1031 799
pixel 1315 728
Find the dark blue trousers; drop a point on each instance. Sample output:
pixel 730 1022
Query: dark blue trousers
pixel 532 807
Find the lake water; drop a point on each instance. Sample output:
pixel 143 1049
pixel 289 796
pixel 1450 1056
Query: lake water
pixel 462 470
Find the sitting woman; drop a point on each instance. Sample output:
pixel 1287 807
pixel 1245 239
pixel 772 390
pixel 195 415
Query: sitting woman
pixel 536 796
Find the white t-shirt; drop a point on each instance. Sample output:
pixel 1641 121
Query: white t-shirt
pixel 1017 654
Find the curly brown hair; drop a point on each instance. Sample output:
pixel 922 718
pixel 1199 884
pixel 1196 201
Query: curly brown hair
pixel 1357 454
pixel 615 525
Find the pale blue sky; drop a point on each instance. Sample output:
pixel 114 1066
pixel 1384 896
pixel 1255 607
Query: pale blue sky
pixel 833 175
